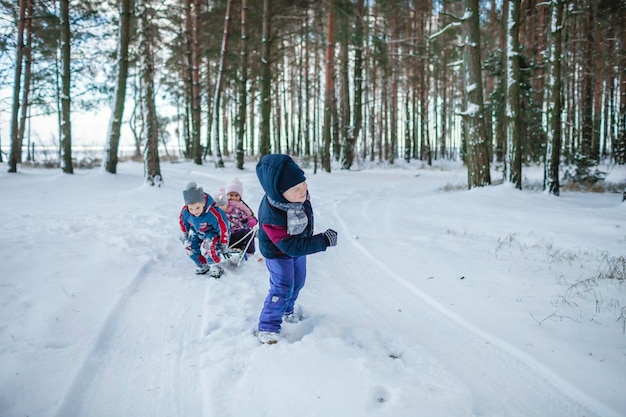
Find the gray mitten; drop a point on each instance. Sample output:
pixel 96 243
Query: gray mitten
pixel 221 199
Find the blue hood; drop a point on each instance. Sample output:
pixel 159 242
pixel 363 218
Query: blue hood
pixel 268 170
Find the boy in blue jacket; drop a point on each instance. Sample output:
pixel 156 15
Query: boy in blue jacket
pixel 205 230
pixel 285 238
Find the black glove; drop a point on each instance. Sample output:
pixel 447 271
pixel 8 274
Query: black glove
pixel 331 237
pixel 223 250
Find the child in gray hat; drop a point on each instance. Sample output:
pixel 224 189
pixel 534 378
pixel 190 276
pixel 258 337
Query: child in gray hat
pixel 205 230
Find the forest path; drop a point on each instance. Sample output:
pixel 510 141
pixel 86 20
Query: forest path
pixel 371 342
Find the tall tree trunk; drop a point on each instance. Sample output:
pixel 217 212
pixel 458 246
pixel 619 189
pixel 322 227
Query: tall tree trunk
pixel 196 60
pixel 343 118
pixel 16 143
pixel 473 122
pixel 306 117
pixel 587 145
pixel 444 79
pixel 498 102
pixel 115 123
pixel 424 76
pixel 620 145
pixel 443 120
pixel 187 35
pixel 215 140
pixel 226 123
pixel 342 142
pixel 278 112
pixel 393 99
pixel 555 104
pixel 150 132
pixel 513 159
pixel 316 134
pixel 534 39
pixel 383 124
pixel 540 76
pixel 599 75
pixel 354 131
pixel 266 79
pixel 243 85
pixel 252 118
pixel 410 83
pixel 570 137
pixel 329 98
pixel 373 95
pixel 66 127
pixel 27 76
pixel 494 34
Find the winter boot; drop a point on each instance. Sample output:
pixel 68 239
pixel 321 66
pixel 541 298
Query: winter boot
pixel 290 318
pixel 216 270
pixel 268 338
pixel 202 269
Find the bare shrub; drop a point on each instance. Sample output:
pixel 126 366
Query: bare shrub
pixel 612 267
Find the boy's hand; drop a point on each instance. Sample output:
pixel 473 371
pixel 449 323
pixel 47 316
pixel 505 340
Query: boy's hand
pixel 184 236
pixel 221 200
pixel 331 237
pixel 223 250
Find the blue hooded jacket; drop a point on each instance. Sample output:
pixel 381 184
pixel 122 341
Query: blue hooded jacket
pixel 274 241
pixel 211 223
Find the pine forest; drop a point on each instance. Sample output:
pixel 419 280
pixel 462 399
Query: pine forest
pixel 335 83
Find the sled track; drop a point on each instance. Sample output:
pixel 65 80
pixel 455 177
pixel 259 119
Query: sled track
pixel 131 356
pixel 529 389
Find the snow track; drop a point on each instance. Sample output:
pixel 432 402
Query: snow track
pixel 513 384
pixel 136 358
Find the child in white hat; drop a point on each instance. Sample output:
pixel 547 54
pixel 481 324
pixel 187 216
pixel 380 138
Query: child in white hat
pixel 240 216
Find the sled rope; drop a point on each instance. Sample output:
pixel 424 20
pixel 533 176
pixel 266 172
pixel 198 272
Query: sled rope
pixel 245 236
pixel 243 252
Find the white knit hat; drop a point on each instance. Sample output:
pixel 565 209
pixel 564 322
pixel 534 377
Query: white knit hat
pixel 235 186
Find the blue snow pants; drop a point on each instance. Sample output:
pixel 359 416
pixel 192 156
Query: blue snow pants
pixel 287 278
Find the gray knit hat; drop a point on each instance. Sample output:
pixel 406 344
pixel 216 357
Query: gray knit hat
pixel 193 194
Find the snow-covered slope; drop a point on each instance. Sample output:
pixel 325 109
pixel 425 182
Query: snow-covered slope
pixel 438 303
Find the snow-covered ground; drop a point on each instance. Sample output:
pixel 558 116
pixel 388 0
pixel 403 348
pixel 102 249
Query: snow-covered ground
pixel 437 301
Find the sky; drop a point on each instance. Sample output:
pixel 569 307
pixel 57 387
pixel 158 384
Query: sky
pixel 437 300
pixel 44 131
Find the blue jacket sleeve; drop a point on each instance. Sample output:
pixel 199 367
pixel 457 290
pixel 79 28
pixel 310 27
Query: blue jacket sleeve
pixel 293 246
